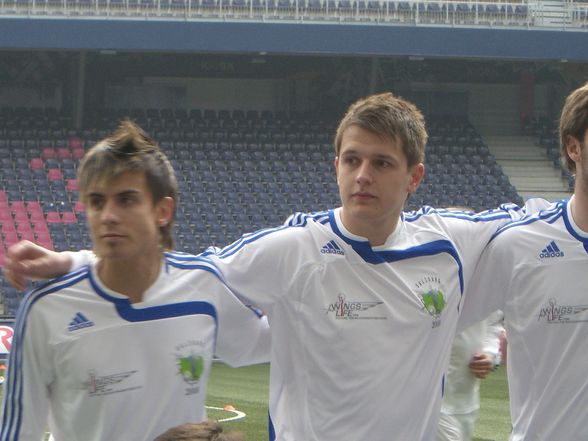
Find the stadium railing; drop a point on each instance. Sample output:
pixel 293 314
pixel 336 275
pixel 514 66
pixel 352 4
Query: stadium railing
pixel 421 12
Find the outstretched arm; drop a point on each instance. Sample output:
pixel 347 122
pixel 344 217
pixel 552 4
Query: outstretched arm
pixel 27 260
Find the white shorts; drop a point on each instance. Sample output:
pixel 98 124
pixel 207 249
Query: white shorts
pixel 457 427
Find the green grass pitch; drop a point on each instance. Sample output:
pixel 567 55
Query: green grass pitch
pixel 246 389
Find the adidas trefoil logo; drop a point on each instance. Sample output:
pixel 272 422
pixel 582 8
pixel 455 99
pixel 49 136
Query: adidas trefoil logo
pixel 332 248
pixel 79 321
pixel 551 250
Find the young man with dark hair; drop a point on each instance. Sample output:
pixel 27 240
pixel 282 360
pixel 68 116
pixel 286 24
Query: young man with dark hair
pixel 363 299
pixel 121 349
pixel 534 270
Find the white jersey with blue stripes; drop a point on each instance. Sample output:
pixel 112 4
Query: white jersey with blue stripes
pixel 535 270
pixel 97 368
pixel 360 334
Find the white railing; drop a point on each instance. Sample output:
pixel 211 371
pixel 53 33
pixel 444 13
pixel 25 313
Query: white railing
pixel 425 12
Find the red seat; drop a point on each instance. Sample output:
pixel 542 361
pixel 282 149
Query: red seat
pixel 36 164
pixel 48 152
pixel 72 185
pixel 21 216
pixel 69 217
pixel 63 153
pixel 34 207
pixel 10 238
pixel 79 207
pixel 23 226
pixel 37 216
pixel 54 174
pixel 45 242
pixel 40 226
pixel 27 235
pixel 53 217
pixel 18 206
pixel 75 142
pixel 6 226
pixel 78 153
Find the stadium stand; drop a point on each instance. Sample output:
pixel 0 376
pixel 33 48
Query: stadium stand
pixel 403 12
pixel 238 171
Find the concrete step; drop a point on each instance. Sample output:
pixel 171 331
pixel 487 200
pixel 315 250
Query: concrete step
pixel 526 183
pixel 527 166
pixel 549 195
pixel 530 168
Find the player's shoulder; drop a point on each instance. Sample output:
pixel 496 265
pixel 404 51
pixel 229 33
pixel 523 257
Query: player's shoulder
pixel 544 217
pixel 58 288
pixel 428 215
pixel 306 219
pixel 181 264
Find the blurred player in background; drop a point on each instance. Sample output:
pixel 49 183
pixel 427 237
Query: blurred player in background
pixel 475 353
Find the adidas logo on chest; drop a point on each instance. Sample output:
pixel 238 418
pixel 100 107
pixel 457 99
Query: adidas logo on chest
pixel 550 251
pixel 79 321
pixel 332 247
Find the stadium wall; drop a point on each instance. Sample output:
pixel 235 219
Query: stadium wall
pixel 291 38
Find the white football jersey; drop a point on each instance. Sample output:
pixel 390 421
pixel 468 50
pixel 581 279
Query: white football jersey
pixel 360 334
pixel 99 368
pixel 535 270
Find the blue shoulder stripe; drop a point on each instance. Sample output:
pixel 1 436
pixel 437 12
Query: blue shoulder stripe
pixel 12 418
pixel 549 215
pixel 191 262
pixel 502 212
pixel 294 221
pixel 300 219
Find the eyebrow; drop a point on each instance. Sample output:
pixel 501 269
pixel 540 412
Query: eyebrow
pixel 352 151
pixel 120 193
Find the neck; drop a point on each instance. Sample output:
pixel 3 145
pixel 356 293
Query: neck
pixel 130 278
pixel 579 206
pixel 375 231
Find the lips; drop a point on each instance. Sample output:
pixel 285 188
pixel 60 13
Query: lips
pixel 362 195
pixel 111 236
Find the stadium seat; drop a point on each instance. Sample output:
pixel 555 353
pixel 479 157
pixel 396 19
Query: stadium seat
pixel 54 174
pixel 53 217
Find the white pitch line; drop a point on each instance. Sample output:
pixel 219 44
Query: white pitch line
pixel 238 414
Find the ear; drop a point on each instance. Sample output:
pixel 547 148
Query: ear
pixel 336 163
pixel 573 148
pixel 416 176
pixel 165 211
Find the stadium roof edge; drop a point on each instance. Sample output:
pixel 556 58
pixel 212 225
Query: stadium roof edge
pixel 292 38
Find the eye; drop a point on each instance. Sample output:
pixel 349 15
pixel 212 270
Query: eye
pixel 126 199
pixel 95 202
pixel 383 163
pixel 350 160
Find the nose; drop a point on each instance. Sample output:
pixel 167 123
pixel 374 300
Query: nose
pixel 364 173
pixel 109 214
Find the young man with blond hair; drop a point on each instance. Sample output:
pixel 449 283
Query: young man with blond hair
pixel 363 299
pixel 122 348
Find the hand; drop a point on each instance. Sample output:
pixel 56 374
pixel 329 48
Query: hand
pixel 26 260
pixel 481 365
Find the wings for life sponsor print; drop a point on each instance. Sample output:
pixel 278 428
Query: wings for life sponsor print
pixel 555 313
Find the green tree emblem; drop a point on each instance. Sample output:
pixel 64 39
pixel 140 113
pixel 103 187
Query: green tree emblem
pixel 191 368
pixel 434 302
